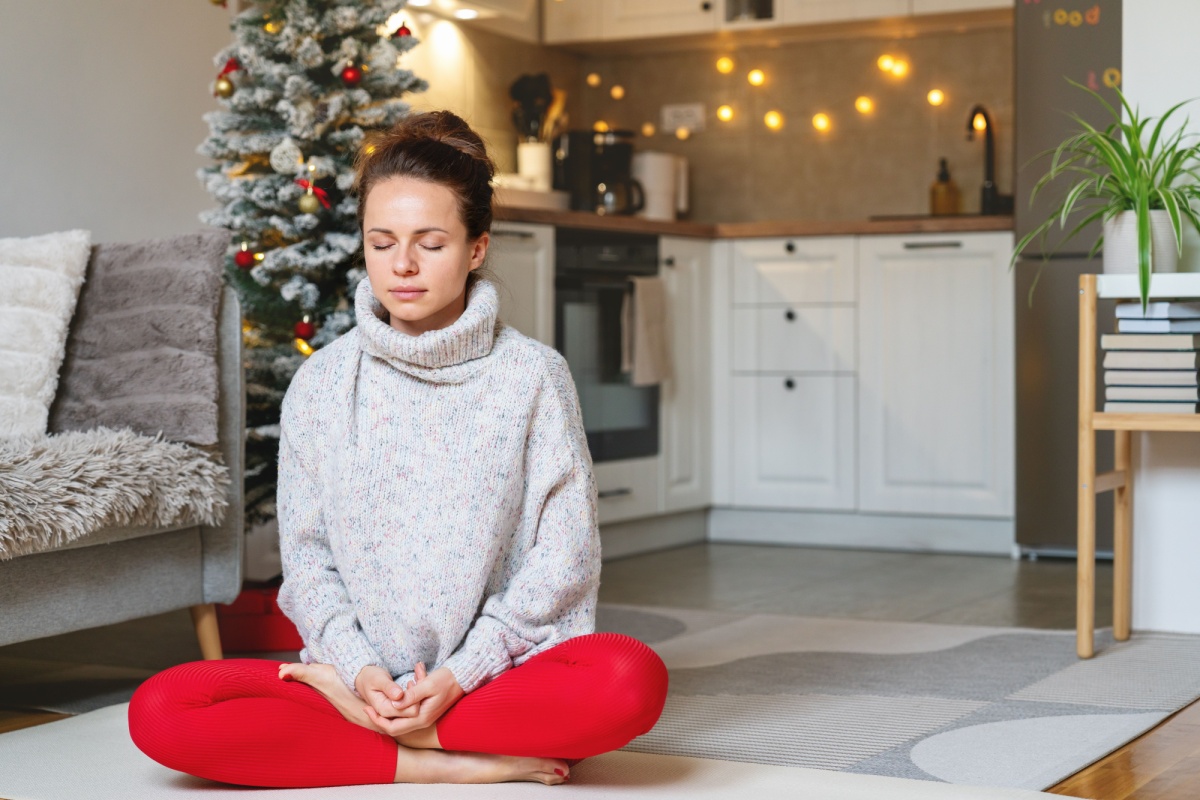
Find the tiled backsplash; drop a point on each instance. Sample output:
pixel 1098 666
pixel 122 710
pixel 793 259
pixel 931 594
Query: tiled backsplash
pixel 881 163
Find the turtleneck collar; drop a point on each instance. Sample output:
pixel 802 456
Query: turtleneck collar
pixel 439 356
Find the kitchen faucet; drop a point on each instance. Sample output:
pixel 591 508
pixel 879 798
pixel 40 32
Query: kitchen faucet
pixel 990 200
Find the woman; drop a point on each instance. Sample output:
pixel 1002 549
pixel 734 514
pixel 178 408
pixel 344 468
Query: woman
pixel 437 507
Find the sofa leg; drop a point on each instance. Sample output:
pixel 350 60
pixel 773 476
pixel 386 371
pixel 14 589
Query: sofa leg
pixel 204 617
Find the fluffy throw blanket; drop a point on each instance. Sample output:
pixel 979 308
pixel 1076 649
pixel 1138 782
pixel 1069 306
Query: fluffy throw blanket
pixel 55 489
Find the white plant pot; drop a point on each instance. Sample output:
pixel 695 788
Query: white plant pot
pixel 1121 241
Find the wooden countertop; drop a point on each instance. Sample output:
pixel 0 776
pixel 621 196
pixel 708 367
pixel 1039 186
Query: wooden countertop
pixel 966 223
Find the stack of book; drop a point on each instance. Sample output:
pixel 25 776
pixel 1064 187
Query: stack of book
pixel 1151 364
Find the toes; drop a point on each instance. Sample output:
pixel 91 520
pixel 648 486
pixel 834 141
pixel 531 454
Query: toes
pixel 292 672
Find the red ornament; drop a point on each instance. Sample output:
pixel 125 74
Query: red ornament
pixel 402 31
pixel 305 329
pixel 351 75
pixel 231 65
pixel 321 194
pixel 244 259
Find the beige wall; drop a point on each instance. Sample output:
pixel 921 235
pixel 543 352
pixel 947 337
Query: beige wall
pixel 470 71
pixel 881 164
pixel 100 106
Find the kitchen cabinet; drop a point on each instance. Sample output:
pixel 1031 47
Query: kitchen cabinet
pixel 627 489
pixel 946 6
pixel 793 443
pixel 522 257
pixel 935 375
pixel 807 12
pixel 790 382
pixel 634 19
pixel 685 399
pixel 570 21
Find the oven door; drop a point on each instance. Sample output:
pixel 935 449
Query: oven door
pixel 621 420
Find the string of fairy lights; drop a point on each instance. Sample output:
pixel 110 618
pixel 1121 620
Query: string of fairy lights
pixel 896 67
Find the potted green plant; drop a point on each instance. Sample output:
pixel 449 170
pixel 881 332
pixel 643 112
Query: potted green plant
pixel 1136 185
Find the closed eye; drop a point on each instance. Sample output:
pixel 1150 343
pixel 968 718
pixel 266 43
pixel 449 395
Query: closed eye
pixel 433 248
pixel 380 246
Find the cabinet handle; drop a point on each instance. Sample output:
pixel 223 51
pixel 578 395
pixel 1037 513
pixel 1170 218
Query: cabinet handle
pixel 789 315
pixel 932 245
pixel 789 384
pixel 790 247
pixel 513 234
pixel 669 261
pixel 614 493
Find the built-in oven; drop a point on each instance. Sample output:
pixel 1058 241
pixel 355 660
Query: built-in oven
pixel 591 281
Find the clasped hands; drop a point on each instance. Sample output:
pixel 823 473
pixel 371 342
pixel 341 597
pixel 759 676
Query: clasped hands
pixel 397 710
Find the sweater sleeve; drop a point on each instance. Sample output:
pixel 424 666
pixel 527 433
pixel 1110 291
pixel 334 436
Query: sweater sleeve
pixel 551 595
pixel 313 595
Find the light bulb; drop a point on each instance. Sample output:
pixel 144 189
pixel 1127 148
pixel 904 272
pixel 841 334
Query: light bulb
pixel 900 68
pixel 725 113
pixel 593 79
pixel 886 62
pixel 600 127
pixel 648 129
pixel 683 134
pixel 979 122
pixel 756 77
pixel 724 65
pixel 773 120
pixel 864 104
pixel 822 122
pixel 617 92
pixel 936 97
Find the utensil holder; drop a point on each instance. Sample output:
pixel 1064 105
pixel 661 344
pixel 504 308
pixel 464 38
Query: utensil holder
pixel 533 162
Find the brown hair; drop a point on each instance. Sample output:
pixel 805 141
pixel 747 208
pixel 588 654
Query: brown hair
pixel 439 147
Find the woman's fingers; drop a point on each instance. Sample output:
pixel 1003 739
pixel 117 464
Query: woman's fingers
pixel 393 727
pixel 420 671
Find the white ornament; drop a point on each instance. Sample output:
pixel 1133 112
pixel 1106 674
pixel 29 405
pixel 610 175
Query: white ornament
pixel 286 157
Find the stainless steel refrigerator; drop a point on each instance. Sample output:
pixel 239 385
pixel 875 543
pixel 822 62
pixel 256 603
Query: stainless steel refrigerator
pixel 1079 40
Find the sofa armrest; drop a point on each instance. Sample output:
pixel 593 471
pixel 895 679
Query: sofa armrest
pixel 223 545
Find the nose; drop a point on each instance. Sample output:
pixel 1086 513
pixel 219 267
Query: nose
pixel 403 261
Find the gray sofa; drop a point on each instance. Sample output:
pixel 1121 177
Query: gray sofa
pixel 123 573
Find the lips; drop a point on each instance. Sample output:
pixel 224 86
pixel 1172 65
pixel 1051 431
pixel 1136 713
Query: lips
pixel 406 292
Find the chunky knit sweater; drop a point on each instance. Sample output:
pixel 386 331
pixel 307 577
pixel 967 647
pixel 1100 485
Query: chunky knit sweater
pixel 436 499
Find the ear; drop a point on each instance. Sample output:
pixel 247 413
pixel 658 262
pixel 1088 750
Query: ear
pixel 479 250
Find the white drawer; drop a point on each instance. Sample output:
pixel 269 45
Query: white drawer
pixel 628 489
pixel 800 339
pixel 804 269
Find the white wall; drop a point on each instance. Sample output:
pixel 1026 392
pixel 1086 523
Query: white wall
pixel 1159 71
pixel 100 105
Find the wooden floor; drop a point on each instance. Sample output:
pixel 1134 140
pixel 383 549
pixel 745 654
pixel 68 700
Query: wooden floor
pixel 1163 764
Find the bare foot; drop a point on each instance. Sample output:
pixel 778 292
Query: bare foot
pixel 439 766
pixel 324 678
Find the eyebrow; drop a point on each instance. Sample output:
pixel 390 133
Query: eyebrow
pixel 419 230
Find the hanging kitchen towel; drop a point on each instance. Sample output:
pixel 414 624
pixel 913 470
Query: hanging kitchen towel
pixel 644 351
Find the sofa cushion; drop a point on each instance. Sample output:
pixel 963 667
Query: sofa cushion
pixel 142 352
pixel 56 489
pixel 39 285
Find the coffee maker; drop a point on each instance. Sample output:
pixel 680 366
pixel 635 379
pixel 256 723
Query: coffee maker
pixel 596 169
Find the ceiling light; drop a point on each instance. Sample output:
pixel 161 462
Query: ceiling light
pixel 756 77
pixel 617 92
pixel 724 65
pixel 936 97
pixel 593 79
pixel 822 122
pixel 725 113
pixel 886 62
pixel 682 133
pixel 864 104
pixel 773 120
pixel 600 126
pixel 900 68
pixel 648 129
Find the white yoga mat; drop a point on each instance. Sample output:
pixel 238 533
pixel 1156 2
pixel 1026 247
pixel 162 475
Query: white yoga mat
pixel 91 757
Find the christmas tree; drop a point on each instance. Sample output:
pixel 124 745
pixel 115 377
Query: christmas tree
pixel 300 84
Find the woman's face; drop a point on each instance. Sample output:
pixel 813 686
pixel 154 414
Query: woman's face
pixel 417 253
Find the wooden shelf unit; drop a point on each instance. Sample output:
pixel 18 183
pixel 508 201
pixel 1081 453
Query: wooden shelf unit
pixel 1120 479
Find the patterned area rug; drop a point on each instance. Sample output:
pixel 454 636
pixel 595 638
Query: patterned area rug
pixel 999 707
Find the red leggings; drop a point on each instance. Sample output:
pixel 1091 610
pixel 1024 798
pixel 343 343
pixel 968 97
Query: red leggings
pixel 235 721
